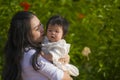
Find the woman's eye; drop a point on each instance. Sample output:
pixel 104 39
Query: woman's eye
pixel 37 29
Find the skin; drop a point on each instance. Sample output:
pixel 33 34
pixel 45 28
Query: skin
pixel 37 29
pixel 54 33
pixel 37 33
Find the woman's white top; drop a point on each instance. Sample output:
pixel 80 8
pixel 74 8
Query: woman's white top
pixel 47 70
pixel 58 50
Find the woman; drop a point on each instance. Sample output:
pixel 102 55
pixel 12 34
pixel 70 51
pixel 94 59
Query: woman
pixel 23 60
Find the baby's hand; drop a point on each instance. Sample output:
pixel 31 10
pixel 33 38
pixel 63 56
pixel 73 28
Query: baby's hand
pixel 65 59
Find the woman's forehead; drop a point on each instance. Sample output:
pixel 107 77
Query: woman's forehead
pixel 34 22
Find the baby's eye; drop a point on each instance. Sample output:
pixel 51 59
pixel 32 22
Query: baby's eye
pixel 57 31
pixel 49 30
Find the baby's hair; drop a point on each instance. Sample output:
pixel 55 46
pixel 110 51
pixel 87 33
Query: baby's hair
pixel 59 20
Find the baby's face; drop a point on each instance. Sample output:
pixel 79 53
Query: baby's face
pixel 54 33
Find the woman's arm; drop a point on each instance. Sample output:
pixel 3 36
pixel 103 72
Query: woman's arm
pixel 51 71
pixel 46 56
pixel 66 76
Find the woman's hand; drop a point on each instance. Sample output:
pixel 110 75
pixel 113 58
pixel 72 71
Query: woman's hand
pixel 46 56
pixel 65 59
pixel 66 76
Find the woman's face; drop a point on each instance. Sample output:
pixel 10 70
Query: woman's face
pixel 37 29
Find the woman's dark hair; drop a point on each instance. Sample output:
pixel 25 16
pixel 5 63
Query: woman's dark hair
pixel 59 20
pixel 19 37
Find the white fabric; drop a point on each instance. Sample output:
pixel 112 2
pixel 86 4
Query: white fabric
pixel 58 50
pixel 47 70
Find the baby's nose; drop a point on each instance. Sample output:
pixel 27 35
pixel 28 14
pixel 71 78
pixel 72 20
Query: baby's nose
pixel 53 32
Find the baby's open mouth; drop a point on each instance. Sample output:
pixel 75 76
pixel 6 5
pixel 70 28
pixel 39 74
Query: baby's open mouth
pixel 52 36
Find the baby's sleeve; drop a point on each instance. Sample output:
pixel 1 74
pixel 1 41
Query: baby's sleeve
pixel 57 52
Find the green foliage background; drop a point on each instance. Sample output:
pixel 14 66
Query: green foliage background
pixel 93 23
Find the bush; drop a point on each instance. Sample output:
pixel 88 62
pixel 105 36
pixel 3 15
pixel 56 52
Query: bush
pixel 93 23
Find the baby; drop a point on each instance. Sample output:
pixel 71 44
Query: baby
pixel 56 46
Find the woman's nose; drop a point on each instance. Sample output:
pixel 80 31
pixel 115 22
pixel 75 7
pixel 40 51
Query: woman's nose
pixel 42 30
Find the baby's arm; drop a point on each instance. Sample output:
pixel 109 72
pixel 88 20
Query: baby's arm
pixel 56 52
pixel 63 60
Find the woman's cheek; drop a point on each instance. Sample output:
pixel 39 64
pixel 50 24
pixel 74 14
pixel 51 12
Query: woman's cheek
pixel 36 36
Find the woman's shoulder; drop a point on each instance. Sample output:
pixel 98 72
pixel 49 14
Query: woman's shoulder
pixel 29 51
